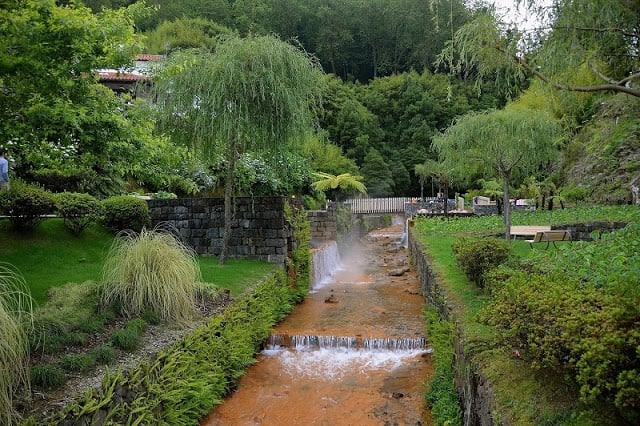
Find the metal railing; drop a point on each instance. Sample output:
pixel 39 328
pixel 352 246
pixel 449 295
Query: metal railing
pixel 378 205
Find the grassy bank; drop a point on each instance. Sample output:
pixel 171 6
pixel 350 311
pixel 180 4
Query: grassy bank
pixel 50 257
pixel 523 395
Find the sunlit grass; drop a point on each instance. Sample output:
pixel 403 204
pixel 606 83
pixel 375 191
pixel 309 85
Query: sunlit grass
pixel 236 275
pixel 51 257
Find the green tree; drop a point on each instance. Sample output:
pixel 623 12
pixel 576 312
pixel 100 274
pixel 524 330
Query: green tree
pixel 504 144
pixel 422 172
pixel 254 94
pixel 55 118
pixel 377 175
pixel 344 183
pixel 184 33
pixel 599 35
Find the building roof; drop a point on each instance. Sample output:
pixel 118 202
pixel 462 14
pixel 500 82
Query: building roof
pixel 114 75
pixel 149 57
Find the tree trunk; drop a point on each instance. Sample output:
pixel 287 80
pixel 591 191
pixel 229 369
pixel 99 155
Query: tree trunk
pixel 506 207
pixel 228 200
pixel 446 199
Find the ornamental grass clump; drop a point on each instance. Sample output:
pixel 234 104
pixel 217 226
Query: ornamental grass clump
pixel 151 271
pixel 15 317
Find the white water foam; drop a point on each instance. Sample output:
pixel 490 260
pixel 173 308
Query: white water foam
pixel 334 364
pixel 325 262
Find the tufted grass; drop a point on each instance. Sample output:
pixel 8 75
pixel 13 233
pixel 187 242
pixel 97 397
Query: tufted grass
pixel 51 257
pixel 15 316
pixel 151 270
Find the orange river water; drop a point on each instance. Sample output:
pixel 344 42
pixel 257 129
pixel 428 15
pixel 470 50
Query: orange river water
pixel 337 385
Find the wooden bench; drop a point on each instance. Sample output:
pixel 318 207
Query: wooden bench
pixel 550 237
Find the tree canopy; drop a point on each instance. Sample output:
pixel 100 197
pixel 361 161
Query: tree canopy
pixel 254 94
pixel 503 144
pixel 600 35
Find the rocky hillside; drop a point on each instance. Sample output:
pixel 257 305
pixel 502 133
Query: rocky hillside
pixel 604 157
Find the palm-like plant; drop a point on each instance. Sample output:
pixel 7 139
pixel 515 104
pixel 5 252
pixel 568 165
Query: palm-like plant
pixel 16 312
pixel 345 182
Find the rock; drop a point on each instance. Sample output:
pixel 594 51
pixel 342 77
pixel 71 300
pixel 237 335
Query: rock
pixel 398 271
pixel 331 299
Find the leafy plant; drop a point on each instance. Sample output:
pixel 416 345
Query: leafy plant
pixel 104 354
pixel 128 338
pixel 441 394
pixel 151 270
pixel 123 212
pixel 77 362
pixel 478 256
pixel 26 205
pixel 78 210
pixel 15 315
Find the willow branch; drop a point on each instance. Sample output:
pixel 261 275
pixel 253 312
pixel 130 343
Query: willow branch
pixel 598 30
pixel 609 87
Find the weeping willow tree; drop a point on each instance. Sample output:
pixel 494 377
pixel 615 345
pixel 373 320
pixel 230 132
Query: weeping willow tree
pixel 15 317
pixel 254 94
pixel 600 36
pixel 502 144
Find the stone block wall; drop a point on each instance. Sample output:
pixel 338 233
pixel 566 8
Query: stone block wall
pixel 323 224
pixel 584 231
pixel 258 229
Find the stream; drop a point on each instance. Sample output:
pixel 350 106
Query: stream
pixel 353 353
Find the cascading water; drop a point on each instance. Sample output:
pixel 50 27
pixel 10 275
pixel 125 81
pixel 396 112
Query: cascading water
pixel 325 262
pixel 352 353
pixel 305 342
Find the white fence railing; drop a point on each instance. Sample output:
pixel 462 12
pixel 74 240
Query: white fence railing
pixel 378 205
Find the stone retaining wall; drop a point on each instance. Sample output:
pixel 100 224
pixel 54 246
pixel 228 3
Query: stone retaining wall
pixel 323 224
pixel 584 231
pixel 258 230
pixel 475 393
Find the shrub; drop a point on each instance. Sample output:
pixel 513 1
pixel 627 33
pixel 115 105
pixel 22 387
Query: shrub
pixel 163 195
pixel 47 376
pixel 15 312
pixel 78 210
pixel 79 363
pixel 574 329
pixel 151 271
pixel 478 256
pixel 125 212
pixel 26 205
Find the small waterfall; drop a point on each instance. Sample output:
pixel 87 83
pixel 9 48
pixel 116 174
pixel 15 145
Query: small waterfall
pixel 301 342
pixel 325 261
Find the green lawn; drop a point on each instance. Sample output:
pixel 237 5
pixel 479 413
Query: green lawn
pixel 50 256
pixel 523 394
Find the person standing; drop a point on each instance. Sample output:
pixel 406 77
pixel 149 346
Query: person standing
pixel 4 171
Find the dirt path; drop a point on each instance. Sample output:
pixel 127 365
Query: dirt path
pixel 339 386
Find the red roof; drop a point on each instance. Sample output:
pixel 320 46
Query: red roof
pixel 149 57
pixel 121 76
